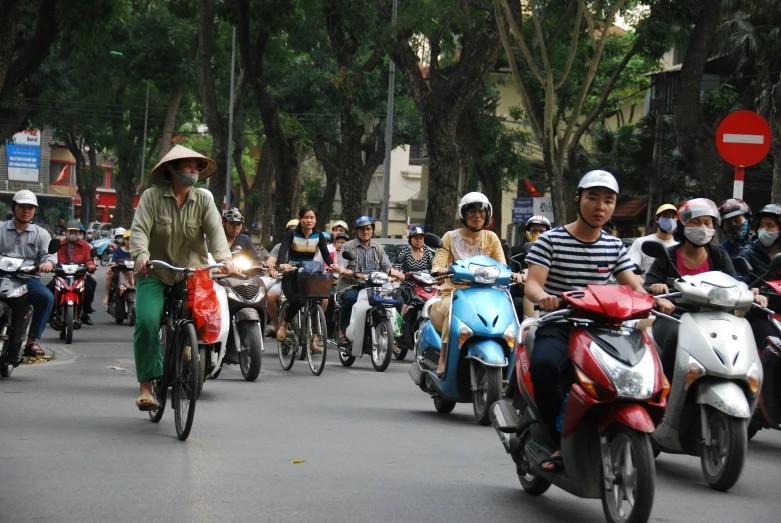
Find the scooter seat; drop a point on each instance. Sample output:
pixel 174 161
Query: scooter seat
pixel 426 312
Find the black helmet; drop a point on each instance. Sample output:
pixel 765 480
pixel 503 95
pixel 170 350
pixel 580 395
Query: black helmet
pixel 342 236
pixel 771 209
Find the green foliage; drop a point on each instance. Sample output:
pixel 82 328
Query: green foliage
pixel 51 215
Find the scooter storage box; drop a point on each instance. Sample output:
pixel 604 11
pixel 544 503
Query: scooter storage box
pixel 313 285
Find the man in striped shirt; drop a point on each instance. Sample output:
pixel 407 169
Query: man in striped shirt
pixel 564 259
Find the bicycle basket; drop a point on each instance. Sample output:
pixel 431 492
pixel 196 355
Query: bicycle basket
pixel 312 285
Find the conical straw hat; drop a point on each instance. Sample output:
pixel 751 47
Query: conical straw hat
pixel 207 165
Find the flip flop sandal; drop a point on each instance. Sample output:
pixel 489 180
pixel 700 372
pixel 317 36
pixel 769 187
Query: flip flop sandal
pixel 280 337
pixel 33 349
pixel 271 334
pixel 556 461
pixel 145 403
pixel 343 341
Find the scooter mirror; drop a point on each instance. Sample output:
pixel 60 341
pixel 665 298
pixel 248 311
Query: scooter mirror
pixel 236 250
pixel 432 240
pixel 655 250
pixel 54 246
pixel 742 266
pixel 347 255
pixel 93 252
pixel 775 264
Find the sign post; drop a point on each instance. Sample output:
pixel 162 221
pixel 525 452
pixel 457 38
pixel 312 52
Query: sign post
pixel 743 140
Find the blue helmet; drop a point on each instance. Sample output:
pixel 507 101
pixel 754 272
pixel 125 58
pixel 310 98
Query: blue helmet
pixel 414 230
pixel 363 221
pixel 327 236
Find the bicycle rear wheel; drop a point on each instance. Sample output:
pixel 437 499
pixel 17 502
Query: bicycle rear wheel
pixel 287 349
pixel 185 381
pixel 317 334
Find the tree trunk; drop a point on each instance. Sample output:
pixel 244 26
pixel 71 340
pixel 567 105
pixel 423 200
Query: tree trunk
pixel 283 148
pixel 351 172
pixel 331 170
pixel 444 172
pixel 261 195
pixel 696 139
pixel 7 36
pixel 170 123
pixel 769 102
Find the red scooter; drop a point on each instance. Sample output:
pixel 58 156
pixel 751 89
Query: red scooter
pixel 768 412
pixel 424 291
pixel 68 298
pixel 618 397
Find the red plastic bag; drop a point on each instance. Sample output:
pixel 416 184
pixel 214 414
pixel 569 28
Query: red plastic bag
pixel 203 301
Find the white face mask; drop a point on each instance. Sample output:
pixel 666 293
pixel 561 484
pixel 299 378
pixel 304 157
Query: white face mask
pixel 73 237
pixel 120 241
pixel 699 236
pixel 767 238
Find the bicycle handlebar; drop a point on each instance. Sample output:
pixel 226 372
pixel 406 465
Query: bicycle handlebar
pixel 163 265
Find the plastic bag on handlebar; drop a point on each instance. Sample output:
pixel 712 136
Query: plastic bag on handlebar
pixel 205 306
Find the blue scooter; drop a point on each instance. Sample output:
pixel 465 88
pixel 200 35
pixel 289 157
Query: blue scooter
pixel 482 327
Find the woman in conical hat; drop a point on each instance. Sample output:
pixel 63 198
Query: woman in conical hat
pixel 169 225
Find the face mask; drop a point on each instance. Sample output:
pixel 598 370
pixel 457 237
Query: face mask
pixel 737 231
pixel 72 237
pixel 699 236
pixel 120 241
pixel 668 225
pixel 767 238
pixel 186 179
pixel 532 236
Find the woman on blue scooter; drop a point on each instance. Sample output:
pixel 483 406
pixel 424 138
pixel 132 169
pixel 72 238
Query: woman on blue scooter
pixel 468 241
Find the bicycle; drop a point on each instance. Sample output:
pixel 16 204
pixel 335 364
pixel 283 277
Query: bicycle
pixel 308 326
pixel 180 365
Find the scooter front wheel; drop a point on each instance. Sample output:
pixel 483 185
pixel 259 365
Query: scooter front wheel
pixel 489 391
pixel 382 345
pixel 530 483
pixel 68 323
pixel 722 461
pixel 345 358
pixel 443 406
pixel 633 477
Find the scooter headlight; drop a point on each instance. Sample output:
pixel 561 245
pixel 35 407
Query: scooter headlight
pixel 242 263
pixel 724 296
pixel 10 264
pixel 635 382
pixel 754 378
pixel 483 274
pixel 19 291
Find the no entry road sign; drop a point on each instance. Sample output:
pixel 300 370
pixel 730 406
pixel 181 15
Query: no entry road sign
pixel 742 139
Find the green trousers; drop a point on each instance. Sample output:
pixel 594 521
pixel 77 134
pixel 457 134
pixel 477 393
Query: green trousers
pixel 150 301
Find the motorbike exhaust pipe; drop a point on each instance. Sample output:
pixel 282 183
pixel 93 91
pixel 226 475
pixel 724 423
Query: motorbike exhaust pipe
pixel 504 419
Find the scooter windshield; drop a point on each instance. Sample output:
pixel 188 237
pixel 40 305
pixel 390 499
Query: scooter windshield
pixel 482 270
pixel 624 344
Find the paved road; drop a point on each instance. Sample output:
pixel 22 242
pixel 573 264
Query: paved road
pixel 73 447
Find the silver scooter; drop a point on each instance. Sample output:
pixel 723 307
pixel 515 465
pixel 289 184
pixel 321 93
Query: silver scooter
pixel 717 377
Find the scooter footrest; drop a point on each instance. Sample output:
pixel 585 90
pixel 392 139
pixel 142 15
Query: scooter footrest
pixel 415 373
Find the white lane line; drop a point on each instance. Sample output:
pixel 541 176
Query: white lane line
pixel 757 139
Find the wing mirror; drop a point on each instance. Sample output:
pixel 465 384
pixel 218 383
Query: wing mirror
pixel 655 250
pixel 347 255
pixel 742 265
pixel 93 252
pixel 54 246
pixel 432 240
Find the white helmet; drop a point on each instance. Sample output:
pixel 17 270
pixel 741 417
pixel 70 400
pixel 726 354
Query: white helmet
pixel 598 178
pixel 474 200
pixel 119 231
pixel 25 197
pixel 538 219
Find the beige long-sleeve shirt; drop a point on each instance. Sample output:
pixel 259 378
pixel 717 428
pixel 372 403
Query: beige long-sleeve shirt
pixel 488 245
pixel 164 231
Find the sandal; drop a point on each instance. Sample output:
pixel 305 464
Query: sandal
pixel 145 402
pixel 556 461
pixel 343 341
pixel 271 333
pixel 33 350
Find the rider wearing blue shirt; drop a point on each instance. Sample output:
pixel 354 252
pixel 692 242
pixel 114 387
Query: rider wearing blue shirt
pixel 232 222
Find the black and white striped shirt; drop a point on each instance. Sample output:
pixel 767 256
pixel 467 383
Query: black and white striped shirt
pixel 573 264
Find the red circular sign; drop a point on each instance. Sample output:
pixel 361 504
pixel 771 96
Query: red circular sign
pixel 743 138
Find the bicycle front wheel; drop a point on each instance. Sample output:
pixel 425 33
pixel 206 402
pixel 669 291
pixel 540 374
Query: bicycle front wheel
pixel 160 385
pixel 317 334
pixel 185 382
